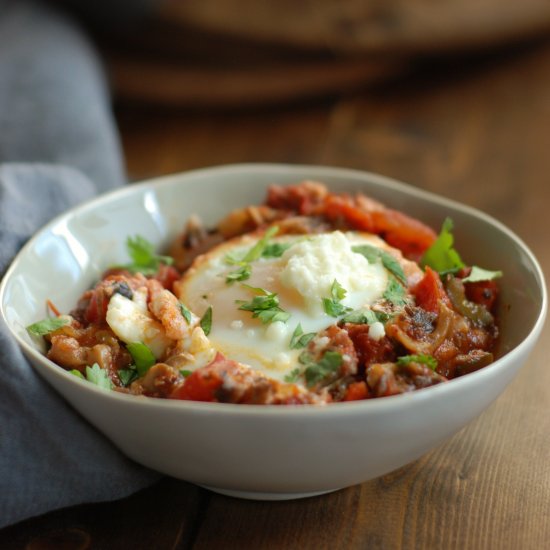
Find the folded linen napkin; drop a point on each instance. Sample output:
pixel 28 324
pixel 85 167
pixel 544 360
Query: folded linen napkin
pixel 54 108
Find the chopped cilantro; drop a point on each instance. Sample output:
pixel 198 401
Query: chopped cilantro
pixel 478 274
pixel 292 376
pixel 300 340
pixel 98 376
pixel 46 326
pixel 143 357
pixel 334 309
pixel 272 315
pixel 423 359
pixel 127 376
pixel 372 254
pixel 185 372
pixel 395 293
pixel 275 250
pixel 361 317
pixel 187 315
pixel 442 256
pixel 264 306
pixel 241 274
pixel 257 250
pixel 206 321
pixel 144 258
pixel 317 372
pixel 306 358
pixel 337 291
pixel 332 306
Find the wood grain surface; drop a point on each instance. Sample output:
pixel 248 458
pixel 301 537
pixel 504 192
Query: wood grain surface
pixel 479 132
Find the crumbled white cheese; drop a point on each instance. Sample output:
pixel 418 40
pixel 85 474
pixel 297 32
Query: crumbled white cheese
pixel 376 331
pixel 311 266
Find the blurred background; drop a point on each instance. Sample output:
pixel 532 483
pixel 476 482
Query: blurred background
pixel 438 94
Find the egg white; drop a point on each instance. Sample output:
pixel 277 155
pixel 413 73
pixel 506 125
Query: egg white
pixel 301 278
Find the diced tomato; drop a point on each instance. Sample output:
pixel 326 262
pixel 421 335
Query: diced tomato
pixel 201 385
pixel 368 350
pixel 430 291
pixel 407 234
pixel 167 275
pixel 97 307
pixel 356 391
pixel 482 292
pixel 343 207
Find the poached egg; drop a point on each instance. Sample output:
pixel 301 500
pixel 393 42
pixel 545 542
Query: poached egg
pixel 297 275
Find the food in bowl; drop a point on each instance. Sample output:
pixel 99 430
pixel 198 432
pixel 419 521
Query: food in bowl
pixel 312 297
pixel 265 452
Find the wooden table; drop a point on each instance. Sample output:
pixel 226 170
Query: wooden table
pixel 475 130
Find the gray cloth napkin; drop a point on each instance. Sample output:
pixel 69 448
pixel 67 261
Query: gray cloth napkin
pixel 49 456
pixel 57 130
pixel 54 101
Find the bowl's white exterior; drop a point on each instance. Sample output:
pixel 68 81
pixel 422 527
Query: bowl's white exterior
pixel 265 452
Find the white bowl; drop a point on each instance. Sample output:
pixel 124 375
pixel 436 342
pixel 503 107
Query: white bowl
pixel 266 452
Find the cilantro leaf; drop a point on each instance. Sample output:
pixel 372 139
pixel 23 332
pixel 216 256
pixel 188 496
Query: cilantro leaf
pixel 260 303
pixel 98 376
pixel 127 376
pixel 206 321
pixel 292 376
pixel 273 315
pixel 334 309
pixel 46 326
pixel 370 252
pixel 241 274
pixel 275 250
pixel 144 258
pixel 442 256
pixel 373 254
pixel 186 313
pixel 395 293
pixel 337 291
pixel 361 317
pixel 393 266
pixel 478 274
pixel 332 306
pixel 428 360
pixel 185 372
pixel 256 251
pixel 323 369
pixel 300 340
pixel 143 357
pixel 264 306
